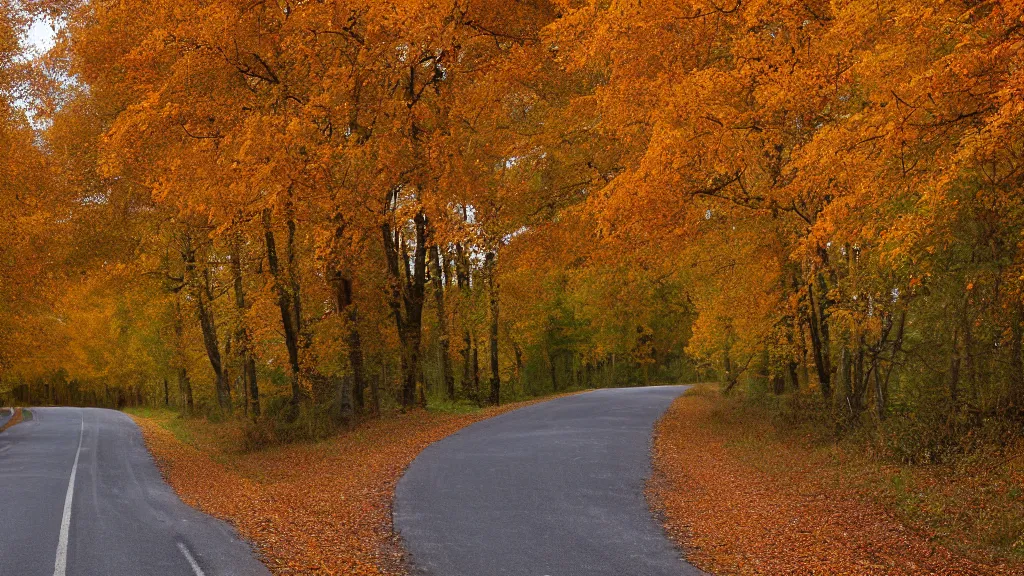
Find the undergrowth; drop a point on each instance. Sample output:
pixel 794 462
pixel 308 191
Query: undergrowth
pixel 961 483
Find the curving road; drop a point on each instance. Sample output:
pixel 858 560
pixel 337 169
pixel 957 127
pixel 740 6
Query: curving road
pixel 81 496
pixel 552 489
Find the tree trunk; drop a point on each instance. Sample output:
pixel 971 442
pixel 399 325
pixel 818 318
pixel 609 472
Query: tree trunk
pixel 185 389
pixel 860 379
pixel 462 278
pixel 519 364
pixel 467 365
pixel 476 373
pixel 198 283
pixel 184 384
pixel 407 293
pixel 793 376
pixel 447 377
pixel 167 393
pixel 553 370
pixel 882 406
pixel 284 304
pixel 730 378
pixel 353 341
pixel 846 370
pixel 820 341
pixel 492 286
pixel 243 341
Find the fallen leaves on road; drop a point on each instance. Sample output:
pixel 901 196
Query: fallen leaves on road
pixel 15 419
pixel 735 519
pixel 321 508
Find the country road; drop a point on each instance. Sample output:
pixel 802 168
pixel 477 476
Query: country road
pixel 555 489
pixel 81 496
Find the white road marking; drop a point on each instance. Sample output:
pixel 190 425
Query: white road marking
pixel 60 565
pixel 191 560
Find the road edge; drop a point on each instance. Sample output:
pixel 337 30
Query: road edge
pixel 17 417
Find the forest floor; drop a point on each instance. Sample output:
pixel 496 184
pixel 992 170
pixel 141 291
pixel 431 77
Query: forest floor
pixel 745 497
pixel 308 508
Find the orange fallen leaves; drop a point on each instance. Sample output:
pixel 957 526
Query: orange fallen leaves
pixel 737 520
pixel 15 419
pixel 321 508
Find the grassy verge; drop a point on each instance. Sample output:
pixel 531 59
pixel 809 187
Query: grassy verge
pixel 749 494
pixel 320 507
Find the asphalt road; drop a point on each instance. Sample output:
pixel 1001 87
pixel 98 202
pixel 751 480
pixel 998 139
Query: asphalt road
pixel 552 489
pixel 118 518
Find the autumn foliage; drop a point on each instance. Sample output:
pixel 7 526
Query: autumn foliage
pixel 311 212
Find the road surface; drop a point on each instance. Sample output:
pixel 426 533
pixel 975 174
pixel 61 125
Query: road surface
pixel 81 496
pixel 552 489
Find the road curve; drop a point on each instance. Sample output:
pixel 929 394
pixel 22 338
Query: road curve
pixel 552 489
pixel 119 517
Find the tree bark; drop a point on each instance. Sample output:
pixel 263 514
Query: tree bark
pixel 820 344
pixel 407 294
pixel 198 282
pixel 553 370
pixel 353 340
pixel 184 384
pixel 476 373
pixel 447 377
pixel 243 341
pixel 463 280
pixel 730 378
pixel 284 304
pixel 492 286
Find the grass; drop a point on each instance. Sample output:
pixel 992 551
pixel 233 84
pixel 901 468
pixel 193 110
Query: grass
pixel 170 420
pixel 446 406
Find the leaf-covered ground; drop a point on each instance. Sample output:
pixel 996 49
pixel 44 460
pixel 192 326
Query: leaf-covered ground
pixel 742 503
pixel 16 418
pixel 319 508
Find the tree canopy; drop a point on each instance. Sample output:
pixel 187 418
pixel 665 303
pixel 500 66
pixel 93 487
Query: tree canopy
pixel 340 206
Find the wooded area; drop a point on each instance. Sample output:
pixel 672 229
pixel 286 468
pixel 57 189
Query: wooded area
pixel 339 208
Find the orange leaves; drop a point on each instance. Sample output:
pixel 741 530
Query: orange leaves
pixel 742 503
pixel 321 508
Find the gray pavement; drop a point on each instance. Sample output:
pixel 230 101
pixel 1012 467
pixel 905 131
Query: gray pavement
pixel 552 489
pixel 121 518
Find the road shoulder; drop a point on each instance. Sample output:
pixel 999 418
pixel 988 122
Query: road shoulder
pixel 782 511
pixel 12 416
pixel 320 507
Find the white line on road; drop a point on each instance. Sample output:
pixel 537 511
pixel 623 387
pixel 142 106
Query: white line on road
pixel 61 564
pixel 191 560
